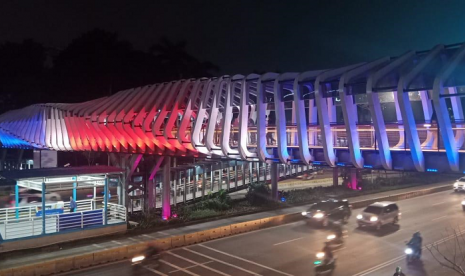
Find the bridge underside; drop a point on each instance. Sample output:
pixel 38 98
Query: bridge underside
pixel 394 113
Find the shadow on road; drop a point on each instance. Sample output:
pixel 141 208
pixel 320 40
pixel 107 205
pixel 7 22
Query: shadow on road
pixel 384 231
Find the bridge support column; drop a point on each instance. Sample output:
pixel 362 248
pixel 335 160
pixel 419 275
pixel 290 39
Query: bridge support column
pixel 166 194
pixel 274 181
pixel 335 176
pixel 353 180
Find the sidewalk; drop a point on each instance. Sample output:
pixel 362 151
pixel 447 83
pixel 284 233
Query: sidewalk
pixel 107 243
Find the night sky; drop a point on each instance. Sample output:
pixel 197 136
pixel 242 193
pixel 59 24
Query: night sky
pixel 242 36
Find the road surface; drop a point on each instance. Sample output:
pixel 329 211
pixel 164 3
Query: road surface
pixel 290 249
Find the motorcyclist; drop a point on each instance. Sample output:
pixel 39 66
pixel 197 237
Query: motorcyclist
pixel 338 231
pixel 399 272
pixel 416 243
pixel 328 253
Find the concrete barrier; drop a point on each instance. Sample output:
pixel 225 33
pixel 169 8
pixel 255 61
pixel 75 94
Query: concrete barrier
pixel 203 236
pixel 163 244
pixel 177 241
pixel 6 272
pixel 265 223
pixel 84 260
pixel 64 264
pixel 45 268
pixel 190 239
pixel 238 228
pixel 102 257
pixel 136 249
pixel 24 271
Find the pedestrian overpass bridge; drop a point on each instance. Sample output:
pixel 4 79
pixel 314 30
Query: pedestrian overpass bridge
pixel 394 113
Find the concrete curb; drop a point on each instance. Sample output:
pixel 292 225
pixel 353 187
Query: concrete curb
pixel 128 251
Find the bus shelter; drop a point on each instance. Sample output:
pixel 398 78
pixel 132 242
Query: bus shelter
pixel 43 206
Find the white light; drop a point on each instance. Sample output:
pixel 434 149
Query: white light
pixel 456 185
pixel 374 219
pixel 427 125
pixel 304 213
pixel 320 255
pixel 463 202
pixel 408 251
pixel 359 216
pixel 331 237
pixel 318 215
pixel 138 259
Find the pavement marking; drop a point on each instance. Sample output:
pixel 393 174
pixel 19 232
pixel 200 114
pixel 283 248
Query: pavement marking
pixel 439 218
pixel 134 240
pixel 147 236
pixel 179 268
pixel 245 260
pixel 155 271
pixel 197 264
pixel 163 233
pixel 173 271
pixel 288 241
pixel 219 261
pixel 390 262
pixel 439 203
pixel 251 232
pixel 96 245
pixel 117 242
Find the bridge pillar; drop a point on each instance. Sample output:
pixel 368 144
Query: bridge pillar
pixel 335 176
pixel 353 180
pixel 274 181
pixel 166 192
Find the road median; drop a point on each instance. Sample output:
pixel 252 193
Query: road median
pixel 119 253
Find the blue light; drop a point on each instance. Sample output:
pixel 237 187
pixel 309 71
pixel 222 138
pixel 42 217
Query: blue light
pixel 319 163
pixel 368 166
pixel 431 170
pixel 283 199
pixel 341 164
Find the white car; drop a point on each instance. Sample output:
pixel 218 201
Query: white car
pixel 378 214
pixel 29 199
pixel 459 185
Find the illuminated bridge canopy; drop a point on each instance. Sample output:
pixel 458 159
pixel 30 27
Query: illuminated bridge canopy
pixel 289 117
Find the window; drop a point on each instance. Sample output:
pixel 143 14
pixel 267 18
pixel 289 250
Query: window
pixel 373 210
pixel 393 207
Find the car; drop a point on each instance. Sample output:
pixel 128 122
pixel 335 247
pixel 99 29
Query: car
pixel 327 211
pixel 379 214
pixel 459 185
pixel 29 198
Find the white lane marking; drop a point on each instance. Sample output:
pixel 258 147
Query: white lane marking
pixel 256 231
pixel 133 239
pixel 179 268
pixel 225 263
pixel 288 241
pixel 163 233
pixel 390 262
pixel 197 264
pixel 155 271
pixel 147 236
pixel 245 260
pixel 439 203
pixel 117 242
pixel 98 246
pixel 190 266
pixel 439 218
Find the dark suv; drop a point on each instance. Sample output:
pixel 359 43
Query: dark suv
pixel 327 211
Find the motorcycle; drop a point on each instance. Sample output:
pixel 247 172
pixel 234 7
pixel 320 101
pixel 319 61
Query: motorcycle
pixel 411 254
pixel 334 240
pixel 146 259
pixel 321 267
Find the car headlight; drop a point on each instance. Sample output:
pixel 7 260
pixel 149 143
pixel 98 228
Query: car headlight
pixel 374 219
pixel 359 216
pixel 304 213
pixel 456 185
pixel 318 215
pixel 408 251
pixel 463 202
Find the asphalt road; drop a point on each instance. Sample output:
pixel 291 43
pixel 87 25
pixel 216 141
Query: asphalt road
pixel 290 249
